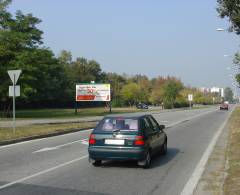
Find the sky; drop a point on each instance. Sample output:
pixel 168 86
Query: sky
pixel 150 37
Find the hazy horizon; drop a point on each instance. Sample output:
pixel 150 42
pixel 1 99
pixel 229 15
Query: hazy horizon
pixel 141 37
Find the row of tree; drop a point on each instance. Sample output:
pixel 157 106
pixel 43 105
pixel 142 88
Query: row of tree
pixel 230 9
pixel 47 80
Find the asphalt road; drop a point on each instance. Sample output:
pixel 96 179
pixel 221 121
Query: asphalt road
pixel 59 165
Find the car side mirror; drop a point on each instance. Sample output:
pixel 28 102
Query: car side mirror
pixel 162 127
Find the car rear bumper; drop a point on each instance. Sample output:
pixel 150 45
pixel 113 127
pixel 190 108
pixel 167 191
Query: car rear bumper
pixel 223 108
pixel 111 153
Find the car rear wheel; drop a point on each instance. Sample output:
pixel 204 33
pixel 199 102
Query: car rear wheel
pixel 146 162
pixel 97 163
pixel 164 148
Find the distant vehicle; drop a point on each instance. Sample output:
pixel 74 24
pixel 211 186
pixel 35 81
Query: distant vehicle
pixel 224 106
pixel 127 138
pixel 142 106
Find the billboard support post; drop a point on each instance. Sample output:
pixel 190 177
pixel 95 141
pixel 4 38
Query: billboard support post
pixel 110 106
pixel 75 107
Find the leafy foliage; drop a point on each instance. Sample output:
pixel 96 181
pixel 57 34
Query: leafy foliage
pixel 228 94
pixel 231 10
pixel 171 90
pixel 131 93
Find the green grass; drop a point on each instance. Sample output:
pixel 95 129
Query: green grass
pixel 43 129
pixel 69 113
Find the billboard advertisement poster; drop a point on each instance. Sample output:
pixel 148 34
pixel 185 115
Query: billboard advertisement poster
pixel 93 92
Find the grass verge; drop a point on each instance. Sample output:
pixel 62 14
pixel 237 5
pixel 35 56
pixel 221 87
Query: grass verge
pixel 232 180
pixel 69 113
pixel 83 112
pixel 38 130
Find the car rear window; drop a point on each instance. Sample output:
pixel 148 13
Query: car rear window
pixel 111 124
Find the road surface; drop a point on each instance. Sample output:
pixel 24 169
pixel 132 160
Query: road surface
pixel 59 165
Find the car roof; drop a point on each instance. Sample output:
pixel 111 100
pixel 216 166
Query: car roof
pixel 128 115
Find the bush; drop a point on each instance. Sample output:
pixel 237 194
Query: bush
pixel 117 102
pixel 181 102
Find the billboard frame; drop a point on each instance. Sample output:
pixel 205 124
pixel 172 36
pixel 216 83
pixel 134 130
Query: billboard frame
pixel 92 84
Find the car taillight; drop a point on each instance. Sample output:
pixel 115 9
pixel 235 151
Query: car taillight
pixel 139 141
pixel 92 139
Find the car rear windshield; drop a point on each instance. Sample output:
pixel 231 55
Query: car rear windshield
pixel 119 123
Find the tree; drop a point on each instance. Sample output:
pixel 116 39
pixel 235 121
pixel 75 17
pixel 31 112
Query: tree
pixel 130 93
pixel 228 94
pixel 238 78
pixel 86 70
pixel 230 9
pixel 236 61
pixel 117 82
pixel 17 36
pixel 43 77
pixel 171 90
pixel 156 96
pixel 65 57
pixel 144 84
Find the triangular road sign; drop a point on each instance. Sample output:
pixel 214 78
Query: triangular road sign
pixel 17 73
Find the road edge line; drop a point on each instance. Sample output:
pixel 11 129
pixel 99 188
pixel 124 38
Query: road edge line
pixel 43 172
pixel 192 182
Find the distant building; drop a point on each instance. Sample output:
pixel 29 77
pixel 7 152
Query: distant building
pixel 218 90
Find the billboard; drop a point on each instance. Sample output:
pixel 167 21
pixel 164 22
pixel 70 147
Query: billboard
pixel 93 92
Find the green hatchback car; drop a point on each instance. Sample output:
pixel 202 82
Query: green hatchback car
pixel 126 137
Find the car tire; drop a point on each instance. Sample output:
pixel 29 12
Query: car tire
pixel 97 163
pixel 164 148
pixel 147 161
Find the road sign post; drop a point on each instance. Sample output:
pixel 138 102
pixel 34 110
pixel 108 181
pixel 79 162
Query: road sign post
pixel 14 116
pixel 14 75
pixel 190 99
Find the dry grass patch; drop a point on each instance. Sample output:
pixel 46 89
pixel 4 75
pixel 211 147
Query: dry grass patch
pixel 232 181
pixel 36 130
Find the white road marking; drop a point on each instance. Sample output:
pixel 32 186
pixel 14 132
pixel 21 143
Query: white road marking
pixel 36 140
pixel 191 185
pixel 163 121
pixel 189 118
pixel 46 149
pixel 85 142
pixel 43 172
pixel 70 143
pixel 60 146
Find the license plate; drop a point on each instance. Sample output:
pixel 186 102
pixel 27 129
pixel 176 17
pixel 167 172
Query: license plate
pixel 114 141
